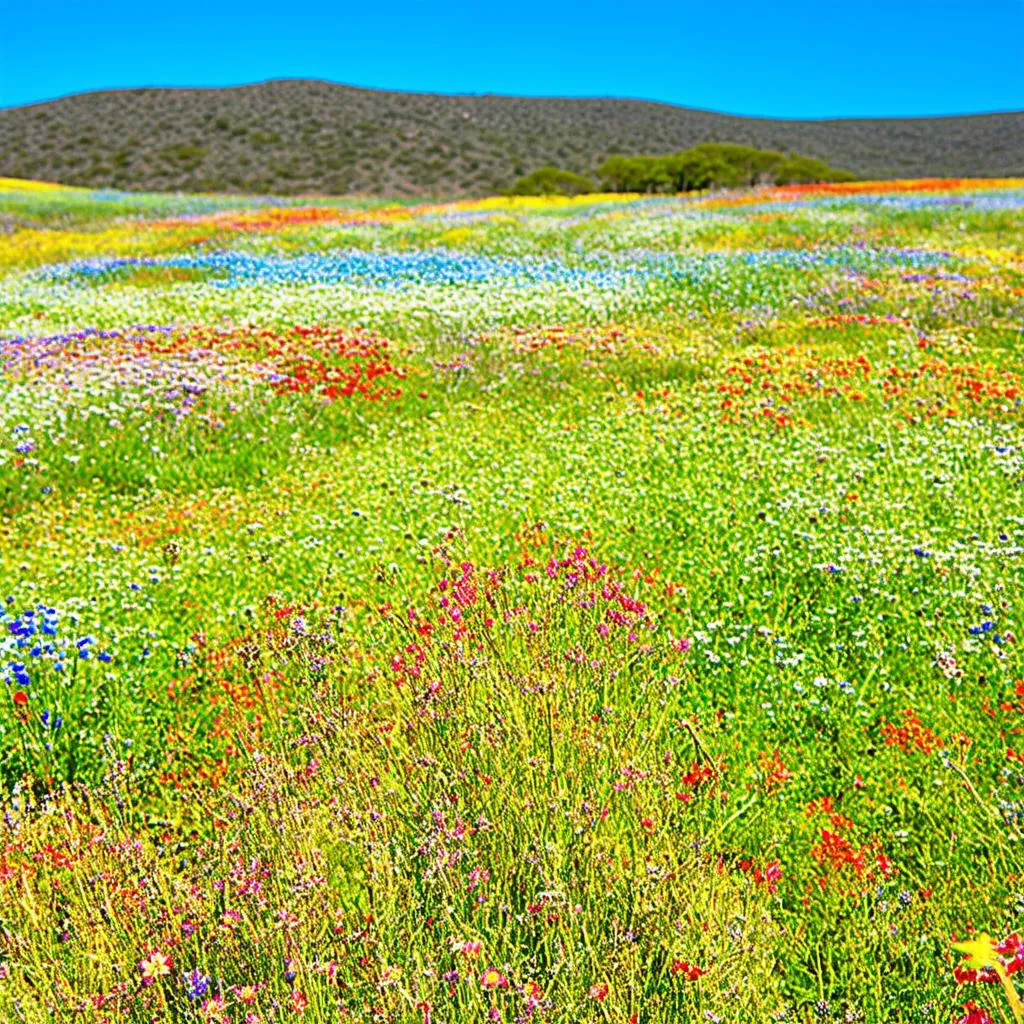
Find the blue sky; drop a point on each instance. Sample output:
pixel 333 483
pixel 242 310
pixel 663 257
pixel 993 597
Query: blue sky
pixel 800 59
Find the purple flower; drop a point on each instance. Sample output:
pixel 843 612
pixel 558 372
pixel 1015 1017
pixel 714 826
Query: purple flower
pixel 196 983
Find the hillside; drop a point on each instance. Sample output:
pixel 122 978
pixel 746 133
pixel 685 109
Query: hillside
pixel 309 136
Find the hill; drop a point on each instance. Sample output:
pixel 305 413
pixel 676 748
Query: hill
pixel 309 136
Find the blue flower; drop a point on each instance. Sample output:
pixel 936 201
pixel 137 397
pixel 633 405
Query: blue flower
pixel 196 983
pixel 51 721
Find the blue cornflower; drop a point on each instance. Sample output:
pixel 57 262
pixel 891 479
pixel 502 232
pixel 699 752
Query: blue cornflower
pixel 51 721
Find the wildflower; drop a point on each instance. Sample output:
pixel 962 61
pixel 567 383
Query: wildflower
pixel 196 984
pixel 689 971
pixel 599 992
pixel 986 961
pixel 493 978
pixel 287 921
pixel 229 919
pixel 533 992
pixel 975 1014
pixel 214 1009
pixel 769 876
pixel 776 774
pixel 245 993
pixel 298 1002
pixel 156 965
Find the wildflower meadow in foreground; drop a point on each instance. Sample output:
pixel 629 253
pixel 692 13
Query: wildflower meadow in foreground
pixel 526 610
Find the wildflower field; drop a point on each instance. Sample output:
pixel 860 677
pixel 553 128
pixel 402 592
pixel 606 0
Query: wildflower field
pixel 521 610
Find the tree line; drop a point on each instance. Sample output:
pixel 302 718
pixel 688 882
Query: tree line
pixel 709 165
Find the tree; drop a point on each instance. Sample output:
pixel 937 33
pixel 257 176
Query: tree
pixel 552 181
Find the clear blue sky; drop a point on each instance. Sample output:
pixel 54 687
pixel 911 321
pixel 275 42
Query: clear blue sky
pixel 798 59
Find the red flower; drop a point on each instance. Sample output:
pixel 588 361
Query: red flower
pixel 20 697
pixel 690 971
pixel 1011 954
pixel 599 992
pixel 975 1014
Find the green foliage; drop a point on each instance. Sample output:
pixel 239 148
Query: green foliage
pixel 713 165
pixel 187 156
pixel 804 170
pixel 552 181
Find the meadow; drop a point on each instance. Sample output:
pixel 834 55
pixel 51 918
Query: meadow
pixel 523 610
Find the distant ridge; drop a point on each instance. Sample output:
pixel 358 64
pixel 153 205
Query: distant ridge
pixel 298 136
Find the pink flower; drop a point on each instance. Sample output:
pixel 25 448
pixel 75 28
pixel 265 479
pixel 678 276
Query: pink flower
pixel 156 965
pixel 493 978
